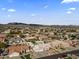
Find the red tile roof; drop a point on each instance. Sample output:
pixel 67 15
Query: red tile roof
pixel 17 48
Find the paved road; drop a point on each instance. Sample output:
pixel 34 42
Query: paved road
pixel 76 52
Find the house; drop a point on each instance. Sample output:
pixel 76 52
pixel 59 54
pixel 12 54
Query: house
pixel 59 43
pixel 43 37
pixel 7 31
pixel 14 54
pixel 41 47
pixel 1 57
pixel 36 43
pixel 16 40
pixel 2 37
pixel 16 50
pixel 30 38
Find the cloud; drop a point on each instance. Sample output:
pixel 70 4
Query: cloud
pixel 9 15
pixel 11 10
pixel 46 6
pixel 72 9
pixel 69 12
pixel 33 14
pixel 3 9
pixel 69 1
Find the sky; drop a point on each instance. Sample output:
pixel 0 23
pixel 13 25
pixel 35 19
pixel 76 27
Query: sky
pixel 49 12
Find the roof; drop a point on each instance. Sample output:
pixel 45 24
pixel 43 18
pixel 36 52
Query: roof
pixel 17 48
pixel 2 35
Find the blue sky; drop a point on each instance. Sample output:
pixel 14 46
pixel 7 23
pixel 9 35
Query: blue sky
pixel 57 12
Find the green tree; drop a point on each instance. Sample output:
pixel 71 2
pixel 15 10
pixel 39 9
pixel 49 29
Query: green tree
pixel 3 45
